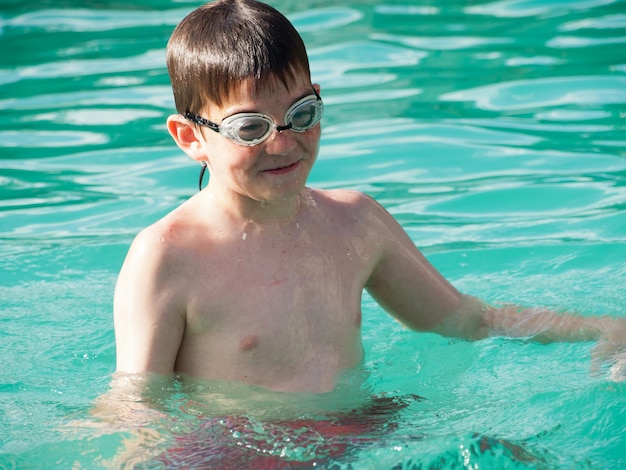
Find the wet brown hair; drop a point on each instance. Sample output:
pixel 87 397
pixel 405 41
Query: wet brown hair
pixel 220 45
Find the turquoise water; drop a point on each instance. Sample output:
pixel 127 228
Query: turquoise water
pixel 494 131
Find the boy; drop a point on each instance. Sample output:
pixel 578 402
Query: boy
pixel 258 278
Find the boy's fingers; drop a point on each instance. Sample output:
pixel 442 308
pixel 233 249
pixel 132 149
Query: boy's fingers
pixel 617 372
pixel 611 357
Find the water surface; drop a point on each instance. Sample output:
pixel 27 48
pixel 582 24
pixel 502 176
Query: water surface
pixel 493 131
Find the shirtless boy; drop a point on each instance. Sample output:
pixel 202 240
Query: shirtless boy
pixel 258 278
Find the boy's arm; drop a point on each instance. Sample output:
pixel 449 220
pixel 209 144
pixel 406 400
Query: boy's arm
pixel 149 318
pixel 412 290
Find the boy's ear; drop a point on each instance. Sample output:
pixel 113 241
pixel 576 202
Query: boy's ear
pixel 317 88
pixel 185 134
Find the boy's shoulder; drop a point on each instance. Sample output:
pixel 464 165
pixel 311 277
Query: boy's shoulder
pixel 347 198
pixel 168 234
pixel 348 202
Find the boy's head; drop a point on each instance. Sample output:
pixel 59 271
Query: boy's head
pixel 221 45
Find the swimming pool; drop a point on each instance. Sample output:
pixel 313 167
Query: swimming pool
pixel 494 131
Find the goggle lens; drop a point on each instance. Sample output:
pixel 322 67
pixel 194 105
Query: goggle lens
pixel 247 129
pixel 305 114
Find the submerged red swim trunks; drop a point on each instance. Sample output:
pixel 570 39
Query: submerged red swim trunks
pixel 242 442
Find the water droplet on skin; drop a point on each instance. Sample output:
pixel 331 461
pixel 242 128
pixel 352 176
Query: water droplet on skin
pixel 244 235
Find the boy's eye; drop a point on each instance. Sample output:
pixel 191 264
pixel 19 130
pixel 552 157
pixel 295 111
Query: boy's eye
pixel 250 129
pixel 303 117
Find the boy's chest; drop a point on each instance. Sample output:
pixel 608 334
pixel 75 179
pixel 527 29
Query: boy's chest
pixel 275 314
pixel 260 287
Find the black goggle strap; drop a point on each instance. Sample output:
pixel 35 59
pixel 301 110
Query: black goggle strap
pixel 201 121
pixel 202 171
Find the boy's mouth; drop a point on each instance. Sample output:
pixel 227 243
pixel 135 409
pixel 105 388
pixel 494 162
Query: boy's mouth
pixel 283 169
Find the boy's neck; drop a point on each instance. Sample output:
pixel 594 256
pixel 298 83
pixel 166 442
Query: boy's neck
pixel 261 212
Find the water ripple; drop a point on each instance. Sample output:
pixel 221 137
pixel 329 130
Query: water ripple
pixel 154 96
pixel 442 42
pixel 364 54
pixel 38 139
pixel 521 202
pixel 545 92
pixel 324 18
pixel 99 116
pixel 82 20
pixel 525 8
pixel 75 68
pixel 605 22
pixel 562 42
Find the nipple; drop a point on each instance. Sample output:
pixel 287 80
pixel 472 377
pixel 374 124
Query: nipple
pixel 249 342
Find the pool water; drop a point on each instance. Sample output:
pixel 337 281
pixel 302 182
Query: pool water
pixel 493 131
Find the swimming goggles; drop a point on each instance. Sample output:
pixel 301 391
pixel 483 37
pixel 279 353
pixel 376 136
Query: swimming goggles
pixel 253 128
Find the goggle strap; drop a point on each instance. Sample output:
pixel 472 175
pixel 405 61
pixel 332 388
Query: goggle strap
pixel 202 171
pixel 201 121
pixel 284 128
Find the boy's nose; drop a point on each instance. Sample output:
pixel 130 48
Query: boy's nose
pixel 281 142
